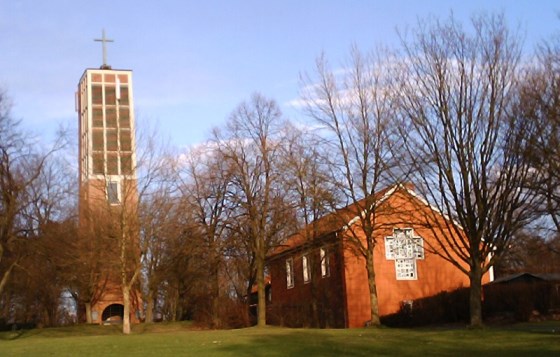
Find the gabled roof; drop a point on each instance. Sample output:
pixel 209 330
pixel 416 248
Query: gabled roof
pixel 336 221
pixel 526 277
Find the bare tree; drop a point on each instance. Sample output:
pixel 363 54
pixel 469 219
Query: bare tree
pixel 250 148
pixel 206 181
pixel 355 107
pixel 122 212
pixel 529 252
pixel 153 165
pixel 160 226
pixel 540 104
pixel 463 140
pixel 311 191
pixel 21 165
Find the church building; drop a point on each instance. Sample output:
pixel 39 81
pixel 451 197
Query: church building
pixel 107 178
pixel 321 279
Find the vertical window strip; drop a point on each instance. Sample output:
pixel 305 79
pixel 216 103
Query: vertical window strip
pixel 325 264
pixel 306 270
pixel 290 273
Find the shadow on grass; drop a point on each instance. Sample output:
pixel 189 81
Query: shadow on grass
pixel 366 342
pixel 305 343
pixel 66 331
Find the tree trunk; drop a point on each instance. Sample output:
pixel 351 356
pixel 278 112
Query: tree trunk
pixel 261 305
pixel 475 296
pixel 5 277
pixel 216 321
pixel 372 290
pixel 88 312
pixel 126 315
pixel 150 303
pixel 173 304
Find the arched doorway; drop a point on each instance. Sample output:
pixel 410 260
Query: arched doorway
pixel 113 313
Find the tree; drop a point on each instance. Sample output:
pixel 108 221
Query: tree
pixel 311 191
pixel 205 187
pixel 139 193
pixel 531 253
pixel 160 226
pixel 540 104
pixel 464 142
pixel 355 109
pixel 250 149
pixel 21 165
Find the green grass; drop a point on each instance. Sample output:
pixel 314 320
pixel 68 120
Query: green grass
pixel 536 339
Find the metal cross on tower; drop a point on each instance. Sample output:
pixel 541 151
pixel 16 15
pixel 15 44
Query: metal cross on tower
pixel 103 41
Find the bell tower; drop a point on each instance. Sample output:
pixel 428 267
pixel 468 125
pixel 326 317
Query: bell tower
pixel 107 175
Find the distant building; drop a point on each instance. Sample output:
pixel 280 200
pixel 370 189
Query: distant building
pixel 107 174
pixel 325 277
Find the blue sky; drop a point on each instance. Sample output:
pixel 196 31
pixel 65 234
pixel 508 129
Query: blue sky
pixel 195 61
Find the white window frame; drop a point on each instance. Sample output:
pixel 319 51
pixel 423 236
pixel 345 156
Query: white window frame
pixel 290 273
pixel 117 184
pixel 306 269
pixel 325 263
pixel 405 269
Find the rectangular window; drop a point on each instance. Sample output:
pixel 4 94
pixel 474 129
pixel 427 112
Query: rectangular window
pixel 325 263
pixel 126 140
pixel 124 95
pixel 113 192
pixel 306 269
pixel 98 161
pixel 96 94
pixel 111 117
pixel 110 95
pixel 126 164
pixel 290 273
pixel 418 247
pixel 112 164
pixel 112 140
pixel 97 139
pixel 405 269
pixel 389 248
pixel 124 118
pixel 97 120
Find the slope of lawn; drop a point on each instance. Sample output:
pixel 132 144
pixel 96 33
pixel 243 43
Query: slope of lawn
pixel 537 339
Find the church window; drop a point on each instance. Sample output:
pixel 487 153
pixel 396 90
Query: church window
pixel 404 245
pixel 110 95
pixel 306 269
pixel 404 248
pixel 123 100
pixel 98 167
pixel 111 114
pixel 113 194
pixel 112 142
pixel 126 164
pixel 97 121
pixel 97 139
pixel 405 269
pixel 290 273
pixel 96 94
pixel 124 118
pixel 112 164
pixel 325 263
pixel 126 140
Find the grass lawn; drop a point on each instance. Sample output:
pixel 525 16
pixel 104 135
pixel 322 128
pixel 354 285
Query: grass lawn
pixel 180 339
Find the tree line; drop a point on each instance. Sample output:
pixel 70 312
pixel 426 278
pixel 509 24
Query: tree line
pixel 457 111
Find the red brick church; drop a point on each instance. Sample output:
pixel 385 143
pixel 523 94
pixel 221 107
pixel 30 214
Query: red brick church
pixel 325 281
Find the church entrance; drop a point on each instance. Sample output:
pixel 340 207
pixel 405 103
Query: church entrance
pixel 113 314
